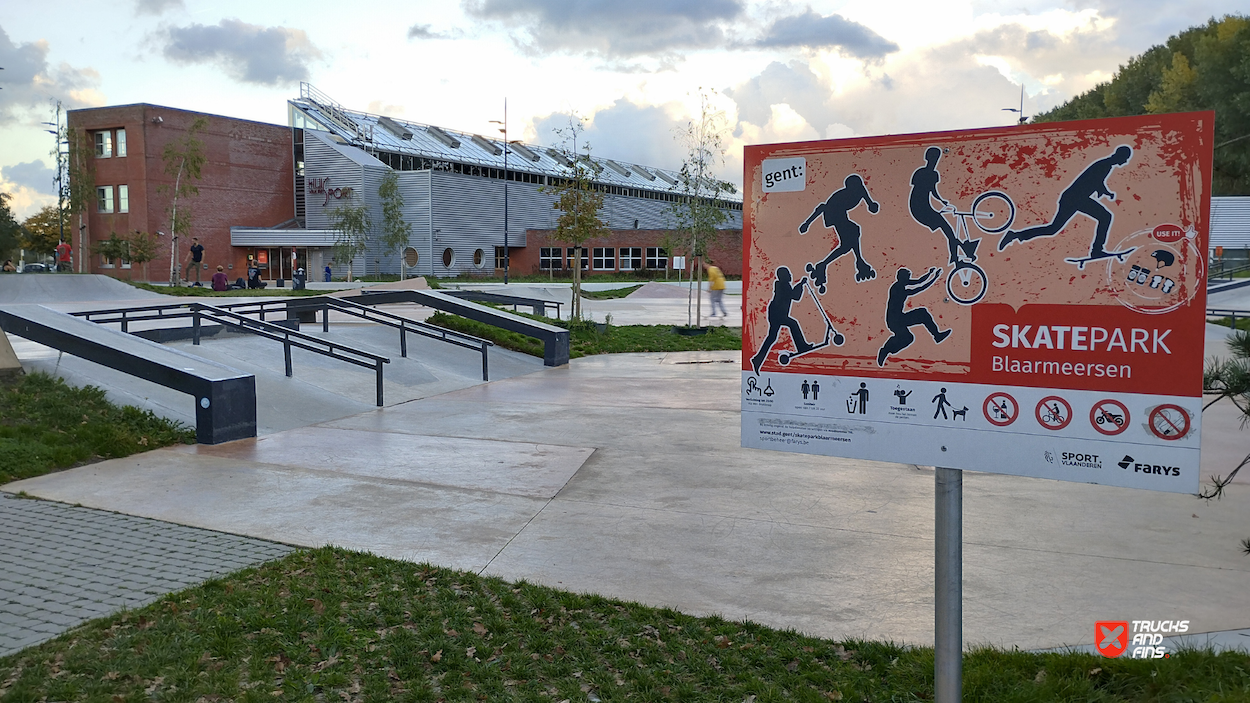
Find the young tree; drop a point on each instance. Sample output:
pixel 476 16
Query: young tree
pixel 697 213
pixel 41 232
pixel 395 231
pixel 184 159
pixel 114 249
pixel 352 225
pixel 10 230
pixel 578 201
pixel 142 248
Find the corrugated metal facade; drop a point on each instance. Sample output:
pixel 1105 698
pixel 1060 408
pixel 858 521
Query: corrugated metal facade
pixel 1230 223
pixel 462 212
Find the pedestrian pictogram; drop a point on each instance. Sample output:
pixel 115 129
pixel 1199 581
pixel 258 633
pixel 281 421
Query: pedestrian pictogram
pixel 1053 413
pixel 1169 422
pixel 1001 409
pixel 1109 417
pixel 1111 637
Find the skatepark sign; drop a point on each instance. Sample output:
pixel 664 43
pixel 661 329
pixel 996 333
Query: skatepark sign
pixel 986 299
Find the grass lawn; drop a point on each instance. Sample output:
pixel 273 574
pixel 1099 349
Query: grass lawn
pixel 206 292
pixel 46 425
pixel 586 340
pixel 1243 323
pixel 332 625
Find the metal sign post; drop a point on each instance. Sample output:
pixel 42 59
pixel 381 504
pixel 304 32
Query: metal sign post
pixel 948 604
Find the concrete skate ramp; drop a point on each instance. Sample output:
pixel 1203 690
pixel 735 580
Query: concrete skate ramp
pixel 43 288
pixel 660 290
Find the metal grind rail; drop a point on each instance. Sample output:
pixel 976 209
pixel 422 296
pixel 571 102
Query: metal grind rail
pixel 198 312
pixel 1231 314
pixel 403 324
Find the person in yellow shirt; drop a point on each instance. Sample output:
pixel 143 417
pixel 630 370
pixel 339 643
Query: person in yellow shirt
pixel 716 281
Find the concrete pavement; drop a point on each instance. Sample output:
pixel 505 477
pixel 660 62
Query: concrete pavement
pixel 622 475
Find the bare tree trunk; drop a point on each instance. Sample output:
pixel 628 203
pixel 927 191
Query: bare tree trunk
pixel 577 283
pixel 698 290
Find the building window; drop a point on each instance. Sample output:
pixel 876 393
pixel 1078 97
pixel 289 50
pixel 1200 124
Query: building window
pixel 571 251
pixel 479 257
pixel 500 256
pixel 104 198
pixel 631 258
pixel 449 257
pixel 123 198
pixel 605 259
pixel 121 143
pixel 657 258
pixel 549 258
pixel 103 145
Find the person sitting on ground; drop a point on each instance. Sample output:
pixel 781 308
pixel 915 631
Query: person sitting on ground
pixel 220 281
pixel 8 266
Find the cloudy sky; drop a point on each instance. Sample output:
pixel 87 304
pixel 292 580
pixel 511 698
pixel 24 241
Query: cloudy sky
pixel 781 71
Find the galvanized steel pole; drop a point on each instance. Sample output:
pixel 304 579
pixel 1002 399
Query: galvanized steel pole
pixel 948 604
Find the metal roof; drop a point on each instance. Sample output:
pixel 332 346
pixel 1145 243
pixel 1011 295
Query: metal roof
pixel 376 132
pixel 1230 222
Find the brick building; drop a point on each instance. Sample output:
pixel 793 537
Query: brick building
pixel 272 192
pixel 247 179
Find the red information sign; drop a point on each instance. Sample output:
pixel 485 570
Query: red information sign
pixel 1059 267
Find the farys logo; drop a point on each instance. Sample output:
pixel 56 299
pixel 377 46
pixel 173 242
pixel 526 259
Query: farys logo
pixel 1128 463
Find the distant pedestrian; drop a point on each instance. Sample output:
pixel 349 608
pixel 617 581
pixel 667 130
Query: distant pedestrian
pixel 194 259
pixel 220 282
pixel 716 284
pixel 8 266
pixel 64 257
pixel 328 273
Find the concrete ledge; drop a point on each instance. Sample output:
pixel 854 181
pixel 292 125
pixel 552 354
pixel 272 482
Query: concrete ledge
pixel 225 399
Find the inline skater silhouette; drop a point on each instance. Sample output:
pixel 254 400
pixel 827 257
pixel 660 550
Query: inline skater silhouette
pixel 923 187
pixel 1082 197
pixel 900 322
pixel 785 294
pixel 835 213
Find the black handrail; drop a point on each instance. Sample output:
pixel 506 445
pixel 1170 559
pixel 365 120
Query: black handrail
pixel 1228 273
pixel 403 324
pixel 199 311
pixel 1229 313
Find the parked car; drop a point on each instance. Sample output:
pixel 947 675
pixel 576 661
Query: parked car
pixel 35 268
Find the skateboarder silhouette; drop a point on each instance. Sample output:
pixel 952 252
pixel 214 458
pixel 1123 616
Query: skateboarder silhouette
pixel 835 213
pixel 900 322
pixel 923 187
pixel 785 294
pixel 1082 197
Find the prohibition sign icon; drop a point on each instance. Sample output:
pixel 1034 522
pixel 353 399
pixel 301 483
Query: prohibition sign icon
pixel 1169 422
pixel 1053 413
pixel 1000 409
pixel 1109 417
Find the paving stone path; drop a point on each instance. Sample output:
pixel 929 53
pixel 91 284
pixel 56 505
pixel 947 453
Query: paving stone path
pixel 62 565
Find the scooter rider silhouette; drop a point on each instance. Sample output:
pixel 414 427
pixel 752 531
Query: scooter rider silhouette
pixel 900 322
pixel 923 187
pixel 785 294
pixel 1082 197
pixel 835 212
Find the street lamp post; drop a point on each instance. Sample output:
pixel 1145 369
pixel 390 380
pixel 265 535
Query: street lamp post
pixel 506 144
pixel 1020 110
